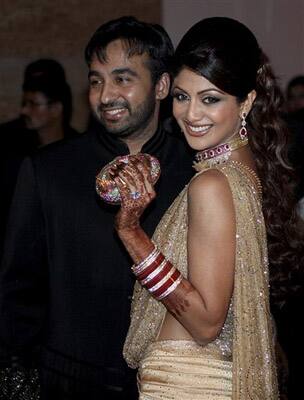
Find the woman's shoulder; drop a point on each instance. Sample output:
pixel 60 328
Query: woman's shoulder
pixel 209 184
pixel 236 174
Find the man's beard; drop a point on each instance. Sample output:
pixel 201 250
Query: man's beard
pixel 135 122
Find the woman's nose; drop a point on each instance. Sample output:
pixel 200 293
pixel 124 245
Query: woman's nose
pixel 194 112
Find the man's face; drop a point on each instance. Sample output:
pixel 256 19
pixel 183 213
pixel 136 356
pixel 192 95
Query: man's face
pixel 122 95
pixel 296 98
pixel 36 110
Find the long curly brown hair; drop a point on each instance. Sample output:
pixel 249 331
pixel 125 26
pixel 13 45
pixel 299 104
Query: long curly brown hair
pixel 270 147
pixel 227 53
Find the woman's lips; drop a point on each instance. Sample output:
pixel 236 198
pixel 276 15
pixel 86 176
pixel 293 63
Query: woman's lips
pixel 197 130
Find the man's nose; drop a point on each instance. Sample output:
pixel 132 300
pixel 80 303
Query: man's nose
pixel 108 93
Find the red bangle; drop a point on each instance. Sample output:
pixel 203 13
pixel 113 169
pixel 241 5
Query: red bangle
pixel 139 268
pixel 159 259
pixel 176 274
pixel 170 288
pixel 159 276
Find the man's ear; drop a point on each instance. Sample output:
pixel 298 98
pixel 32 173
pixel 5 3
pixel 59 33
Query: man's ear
pixel 57 108
pixel 162 87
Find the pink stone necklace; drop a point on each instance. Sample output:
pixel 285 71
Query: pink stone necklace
pixel 220 153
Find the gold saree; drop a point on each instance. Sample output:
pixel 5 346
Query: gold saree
pixel 246 337
pixel 183 370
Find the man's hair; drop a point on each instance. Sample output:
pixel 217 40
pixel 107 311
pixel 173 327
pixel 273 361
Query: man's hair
pixel 139 38
pixel 47 76
pixel 296 81
pixel 45 67
pixel 56 91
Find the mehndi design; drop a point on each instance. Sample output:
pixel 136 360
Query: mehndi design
pixel 106 186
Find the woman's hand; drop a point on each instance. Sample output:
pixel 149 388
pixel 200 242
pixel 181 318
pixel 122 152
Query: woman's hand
pixel 133 180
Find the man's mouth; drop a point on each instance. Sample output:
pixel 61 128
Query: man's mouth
pixel 113 114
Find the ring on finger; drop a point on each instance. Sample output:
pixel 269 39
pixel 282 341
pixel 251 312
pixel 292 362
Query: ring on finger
pixel 135 195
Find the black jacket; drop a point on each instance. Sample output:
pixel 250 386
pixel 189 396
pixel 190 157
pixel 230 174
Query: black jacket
pixel 65 281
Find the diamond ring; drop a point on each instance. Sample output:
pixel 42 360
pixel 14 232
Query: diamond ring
pixel 135 195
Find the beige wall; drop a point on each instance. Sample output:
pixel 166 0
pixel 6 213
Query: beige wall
pixel 60 29
pixel 277 24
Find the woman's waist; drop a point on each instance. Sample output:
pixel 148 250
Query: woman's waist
pixel 187 348
pixel 173 334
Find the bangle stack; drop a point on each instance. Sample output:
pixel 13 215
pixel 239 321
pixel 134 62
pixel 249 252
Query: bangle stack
pixel 157 275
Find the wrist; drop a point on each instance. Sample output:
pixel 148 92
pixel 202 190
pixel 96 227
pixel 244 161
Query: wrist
pixel 127 231
pixel 157 274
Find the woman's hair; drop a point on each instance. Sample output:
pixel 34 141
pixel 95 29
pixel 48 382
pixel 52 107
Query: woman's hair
pixel 227 53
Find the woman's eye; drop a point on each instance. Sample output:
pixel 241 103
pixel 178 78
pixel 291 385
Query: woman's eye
pixel 180 96
pixel 210 100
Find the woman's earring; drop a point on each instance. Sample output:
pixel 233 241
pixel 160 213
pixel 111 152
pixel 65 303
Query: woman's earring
pixel 243 130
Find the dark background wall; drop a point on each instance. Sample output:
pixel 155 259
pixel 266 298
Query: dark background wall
pixel 60 29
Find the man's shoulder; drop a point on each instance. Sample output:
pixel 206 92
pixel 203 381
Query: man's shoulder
pixel 173 131
pixel 13 130
pixel 175 140
pixel 64 157
pixel 71 146
pixel 176 137
pixel 12 124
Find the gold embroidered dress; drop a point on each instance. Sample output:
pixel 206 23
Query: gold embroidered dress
pixel 240 363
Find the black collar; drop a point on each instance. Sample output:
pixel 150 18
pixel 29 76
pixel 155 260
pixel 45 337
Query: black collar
pixel 117 147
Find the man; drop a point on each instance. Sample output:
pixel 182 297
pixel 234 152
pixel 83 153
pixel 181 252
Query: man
pixel 294 118
pixel 295 94
pixel 44 117
pixel 66 281
pixel 47 109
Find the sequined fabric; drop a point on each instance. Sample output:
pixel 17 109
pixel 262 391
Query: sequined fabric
pixel 19 384
pixel 247 332
pixel 183 370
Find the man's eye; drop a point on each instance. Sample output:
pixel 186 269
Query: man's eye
pixel 95 82
pixel 122 79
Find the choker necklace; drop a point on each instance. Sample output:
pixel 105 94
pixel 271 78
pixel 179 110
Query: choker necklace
pixel 220 153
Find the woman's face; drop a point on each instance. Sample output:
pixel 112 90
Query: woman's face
pixel 207 115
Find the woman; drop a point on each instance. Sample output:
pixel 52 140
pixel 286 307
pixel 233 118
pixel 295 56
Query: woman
pixel 201 326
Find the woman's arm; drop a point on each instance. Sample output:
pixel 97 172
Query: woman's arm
pixel 200 303
pixel 203 301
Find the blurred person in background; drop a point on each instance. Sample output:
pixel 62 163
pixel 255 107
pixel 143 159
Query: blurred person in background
pixel 47 108
pixel 294 117
pixel 295 94
pixel 44 118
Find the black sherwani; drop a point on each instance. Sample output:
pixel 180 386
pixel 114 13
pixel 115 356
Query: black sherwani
pixel 65 281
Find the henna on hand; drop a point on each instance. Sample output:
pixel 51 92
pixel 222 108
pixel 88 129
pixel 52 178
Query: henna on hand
pixel 134 184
